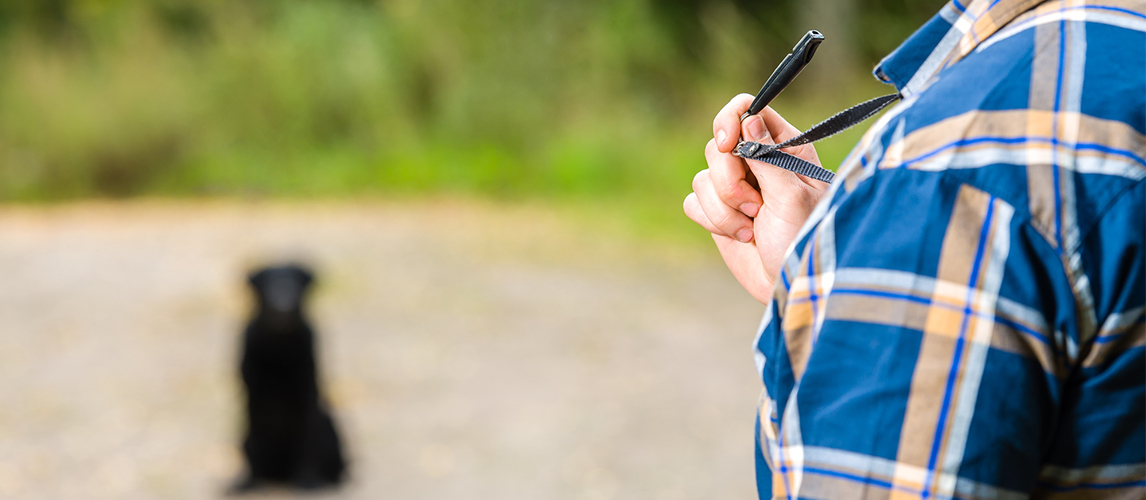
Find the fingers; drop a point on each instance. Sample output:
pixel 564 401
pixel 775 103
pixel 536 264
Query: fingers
pixel 780 128
pixel 727 174
pixel 731 191
pixel 754 129
pixel 769 127
pixel 726 125
pixel 723 200
pixel 724 219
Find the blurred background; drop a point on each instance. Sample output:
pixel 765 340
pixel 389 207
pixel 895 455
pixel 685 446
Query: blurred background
pixel 510 303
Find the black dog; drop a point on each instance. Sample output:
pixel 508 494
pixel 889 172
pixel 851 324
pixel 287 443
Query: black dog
pixel 290 436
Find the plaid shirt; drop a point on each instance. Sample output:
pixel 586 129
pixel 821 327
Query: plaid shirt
pixel 962 315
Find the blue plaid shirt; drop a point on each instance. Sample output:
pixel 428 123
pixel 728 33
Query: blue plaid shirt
pixel 962 315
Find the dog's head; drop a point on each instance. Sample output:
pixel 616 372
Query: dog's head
pixel 281 288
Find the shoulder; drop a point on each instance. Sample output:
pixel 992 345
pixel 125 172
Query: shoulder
pixel 1042 125
pixel 1044 115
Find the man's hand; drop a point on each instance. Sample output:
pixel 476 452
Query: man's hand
pixel 752 209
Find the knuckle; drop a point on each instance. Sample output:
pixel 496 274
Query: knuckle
pixel 729 227
pixel 725 220
pixel 720 221
pixel 729 190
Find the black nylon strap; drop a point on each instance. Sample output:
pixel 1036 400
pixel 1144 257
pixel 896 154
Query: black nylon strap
pixel 797 165
pixel 769 153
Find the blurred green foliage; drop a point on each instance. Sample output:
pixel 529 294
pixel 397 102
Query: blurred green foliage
pixel 588 99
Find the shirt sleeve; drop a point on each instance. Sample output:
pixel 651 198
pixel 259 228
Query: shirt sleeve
pixel 918 343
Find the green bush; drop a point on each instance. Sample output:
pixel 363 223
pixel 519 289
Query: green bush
pixel 512 98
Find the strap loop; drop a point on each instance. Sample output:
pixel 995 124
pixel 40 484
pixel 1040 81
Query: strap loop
pixel 770 153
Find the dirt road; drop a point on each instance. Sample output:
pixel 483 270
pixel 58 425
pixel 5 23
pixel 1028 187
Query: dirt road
pixel 469 352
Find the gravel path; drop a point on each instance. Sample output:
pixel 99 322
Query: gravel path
pixel 469 352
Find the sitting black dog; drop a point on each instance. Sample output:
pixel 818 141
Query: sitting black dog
pixel 290 436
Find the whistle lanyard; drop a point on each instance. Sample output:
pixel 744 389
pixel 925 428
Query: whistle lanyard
pixel 771 154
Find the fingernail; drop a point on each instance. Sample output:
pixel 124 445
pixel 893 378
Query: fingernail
pixel 745 235
pixel 720 137
pixel 756 129
pixel 749 209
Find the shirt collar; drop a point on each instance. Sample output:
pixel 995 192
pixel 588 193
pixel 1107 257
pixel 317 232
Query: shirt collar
pixel 948 37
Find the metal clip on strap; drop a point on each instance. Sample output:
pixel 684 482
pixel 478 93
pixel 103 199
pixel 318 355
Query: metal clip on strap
pixel 770 153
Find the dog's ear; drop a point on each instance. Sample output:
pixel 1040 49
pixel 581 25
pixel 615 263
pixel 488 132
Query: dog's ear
pixel 306 276
pixel 257 278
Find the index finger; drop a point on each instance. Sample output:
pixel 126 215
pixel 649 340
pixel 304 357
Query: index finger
pixel 727 121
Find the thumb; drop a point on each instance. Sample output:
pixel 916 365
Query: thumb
pixel 755 130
